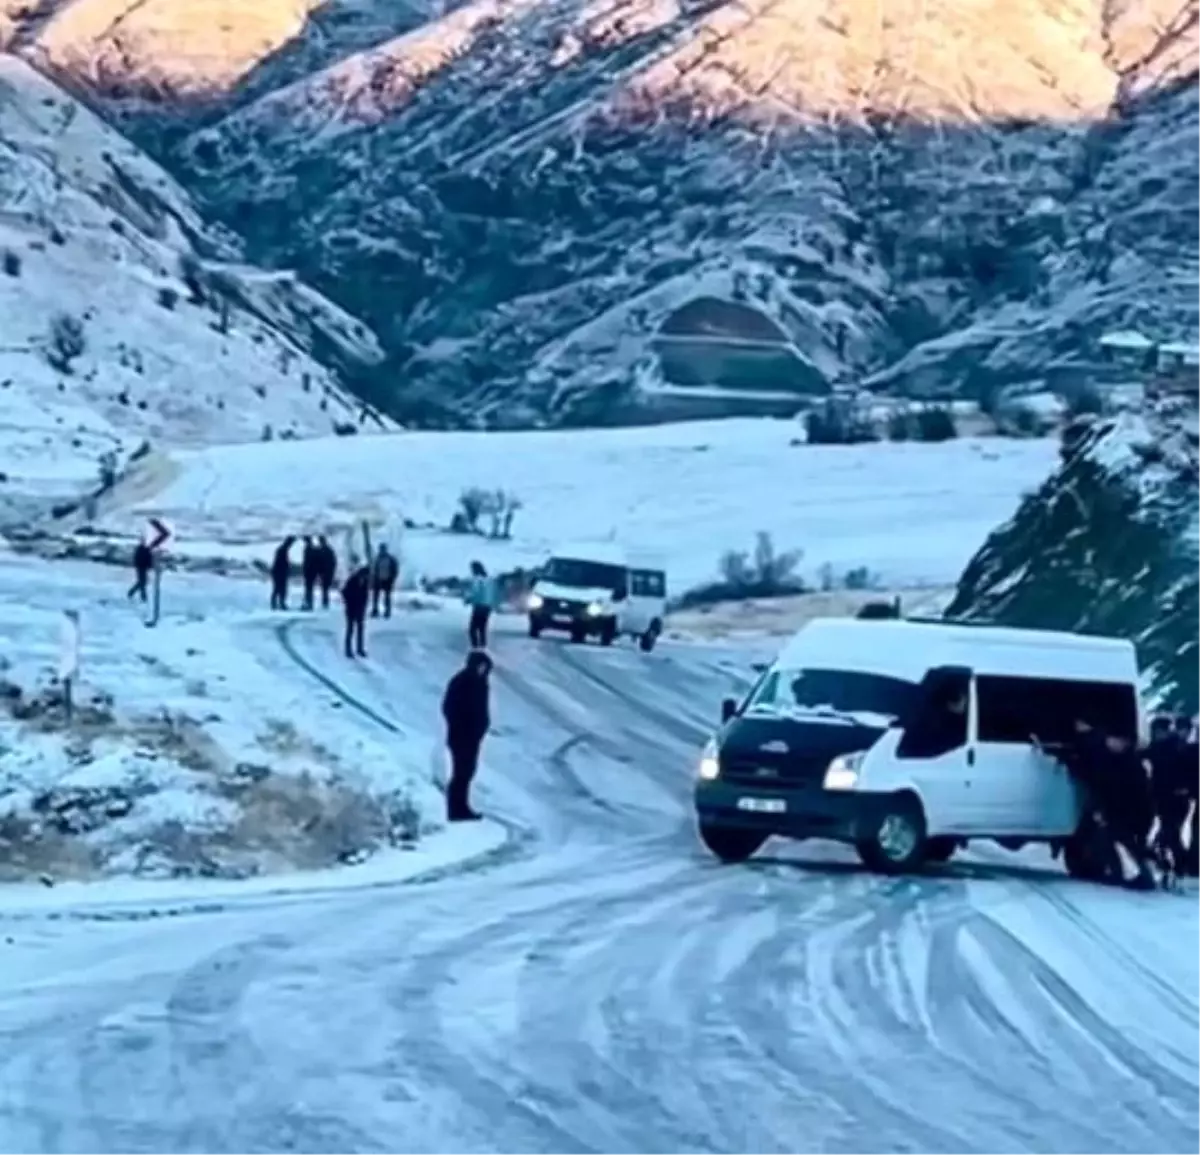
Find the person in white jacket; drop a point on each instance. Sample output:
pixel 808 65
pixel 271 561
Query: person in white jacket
pixel 481 597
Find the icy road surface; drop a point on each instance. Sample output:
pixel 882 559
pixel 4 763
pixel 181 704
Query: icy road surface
pixel 600 984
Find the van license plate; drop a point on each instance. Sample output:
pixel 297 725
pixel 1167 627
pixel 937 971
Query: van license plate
pixel 762 805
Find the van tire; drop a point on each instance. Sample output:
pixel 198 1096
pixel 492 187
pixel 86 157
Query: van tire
pixel 898 845
pixel 608 633
pixel 578 634
pixel 535 627
pixel 650 637
pixel 731 843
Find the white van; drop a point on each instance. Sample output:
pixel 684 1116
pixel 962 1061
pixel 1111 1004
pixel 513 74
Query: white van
pixel 907 739
pixel 599 591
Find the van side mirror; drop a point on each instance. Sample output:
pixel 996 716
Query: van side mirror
pixel 728 709
pixel 620 594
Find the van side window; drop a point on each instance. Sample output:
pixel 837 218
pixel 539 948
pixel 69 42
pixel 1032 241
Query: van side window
pixel 647 584
pixel 1012 710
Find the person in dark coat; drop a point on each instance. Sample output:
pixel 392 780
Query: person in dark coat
pixel 326 568
pixel 143 563
pixel 309 570
pixel 466 711
pixel 356 592
pixel 1166 755
pixel 281 572
pixel 1111 771
pixel 384 573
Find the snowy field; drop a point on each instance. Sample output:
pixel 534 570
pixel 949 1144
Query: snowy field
pixel 913 514
pixel 194 749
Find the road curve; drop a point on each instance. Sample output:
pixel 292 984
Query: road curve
pixel 612 989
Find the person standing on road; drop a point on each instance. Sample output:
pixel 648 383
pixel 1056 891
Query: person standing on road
pixel 326 568
pixel 465 707
pixel 356 592
pixel 481 597
pixel 1166 755
pixel 309 569
pixel 143 563
pixel 384 573
pixel 281 573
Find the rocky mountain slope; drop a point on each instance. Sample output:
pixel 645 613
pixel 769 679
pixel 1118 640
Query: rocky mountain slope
pixel 612 211
pixel 125 319
pixel 1109 544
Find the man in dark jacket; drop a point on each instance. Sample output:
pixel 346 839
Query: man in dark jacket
pixel 466 711
pixel 384 573
pixel 309 569
pixel 326 568
pixel 1166 755
pixel 1110 769
pixel 356 592
pixel 281 572
pixel 143 563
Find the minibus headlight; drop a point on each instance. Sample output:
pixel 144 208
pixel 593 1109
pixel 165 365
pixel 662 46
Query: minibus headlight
pixel 842 773
pixel 710 761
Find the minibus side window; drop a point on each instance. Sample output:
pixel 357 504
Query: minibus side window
pixel 1015 710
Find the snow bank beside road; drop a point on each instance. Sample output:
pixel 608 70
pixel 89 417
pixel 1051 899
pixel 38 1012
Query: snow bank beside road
pixel 911 513
pixel 195 748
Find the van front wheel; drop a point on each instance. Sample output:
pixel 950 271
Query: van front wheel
pixel 898 844
pixel 729 843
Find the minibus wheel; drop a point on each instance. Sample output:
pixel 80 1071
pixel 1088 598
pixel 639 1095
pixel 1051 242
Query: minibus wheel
pixel 898 845
pixel 730 843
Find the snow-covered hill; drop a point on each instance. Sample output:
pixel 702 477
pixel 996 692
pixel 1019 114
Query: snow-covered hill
pixel 630 209
pixel 1108 544
pixel 124 319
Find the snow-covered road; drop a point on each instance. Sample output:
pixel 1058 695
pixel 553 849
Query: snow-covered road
pixel 602 985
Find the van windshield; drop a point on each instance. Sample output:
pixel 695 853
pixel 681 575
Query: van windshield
pixel 840 695
pixel 565 571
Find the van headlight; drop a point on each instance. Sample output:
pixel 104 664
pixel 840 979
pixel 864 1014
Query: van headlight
pixel 710 761
pixel 535 602
pixel 842 773
pixel 595 609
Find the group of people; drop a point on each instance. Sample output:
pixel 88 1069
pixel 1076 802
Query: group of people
pixel 368 586
pixel 1142 799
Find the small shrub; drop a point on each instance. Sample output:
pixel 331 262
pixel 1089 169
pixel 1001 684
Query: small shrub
pixel 1085 400
pixel 12 263
pixel 1016 420
pixel 763 574
pixel 56 236
pixel 66 341
pixel 859 578
pixel 261 390
pixel 168 298
pixel 268 434
pixel 472 503
pixel 345 428
pixel 838 422
pixel 934 423
pixel 899 425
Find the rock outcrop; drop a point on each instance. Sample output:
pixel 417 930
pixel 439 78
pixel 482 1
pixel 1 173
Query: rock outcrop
pixel 1108 544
